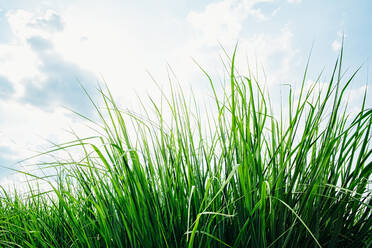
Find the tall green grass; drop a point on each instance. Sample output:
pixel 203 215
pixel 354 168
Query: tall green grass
pixel 234 177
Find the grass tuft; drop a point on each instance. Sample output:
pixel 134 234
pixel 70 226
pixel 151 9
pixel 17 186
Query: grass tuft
pixel 234 177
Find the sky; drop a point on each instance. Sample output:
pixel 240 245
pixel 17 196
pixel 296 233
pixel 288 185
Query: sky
pixel 50 48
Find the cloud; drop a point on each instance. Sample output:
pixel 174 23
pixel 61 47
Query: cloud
pixel 223 21
pixel 38 43
pixel 61 80
pixel 53 80
pixel 50 21
pixel 274 53
pixel 337 43
pixel 294 1
pixel 6 88
pixel 36 81
pixel 17 61
pixel 25 24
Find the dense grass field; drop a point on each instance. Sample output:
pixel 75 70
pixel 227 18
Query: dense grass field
pixel 236 176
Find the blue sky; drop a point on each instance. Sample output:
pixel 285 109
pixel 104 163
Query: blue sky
pixel 48 48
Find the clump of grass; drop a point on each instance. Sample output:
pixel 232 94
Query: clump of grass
pixel 242 178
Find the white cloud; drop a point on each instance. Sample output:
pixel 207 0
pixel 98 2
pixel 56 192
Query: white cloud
pixel 25 24
pixel 50 21
pixel 223 21
pixel 17 60
pixel 294 1
pixel 40 74
pixel 337 43
pixel 275 52
pixel 29 60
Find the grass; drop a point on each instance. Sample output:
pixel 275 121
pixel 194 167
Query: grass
pixel 234 177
